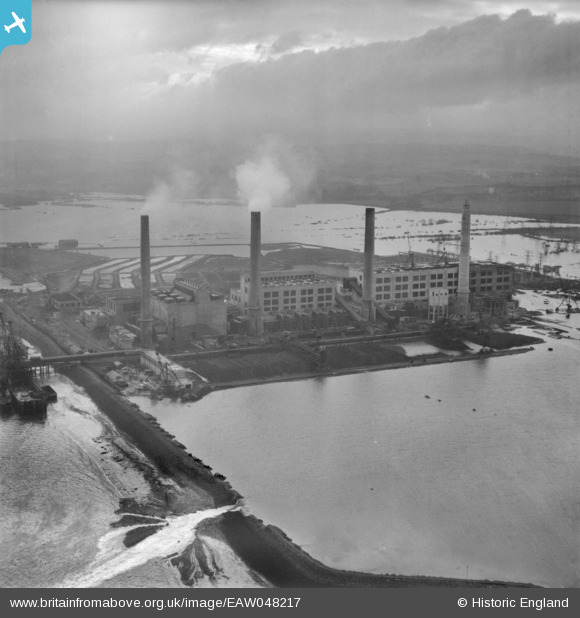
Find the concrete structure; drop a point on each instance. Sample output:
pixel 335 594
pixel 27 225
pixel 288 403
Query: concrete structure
pixel 397 286
pixel 66 302
pixel 288 291
pixel 368 302
pixel 462 308
pixel 187 313
pixel 146 320
pixel 169 371
pixel 122 338
pixel 95 319
pixel 255 326
pixel 122 309
pixel 438 304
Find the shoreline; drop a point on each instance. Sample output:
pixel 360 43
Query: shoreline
pixel 216 386
pixel 265 549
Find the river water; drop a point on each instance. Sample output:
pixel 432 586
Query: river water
pixel 445 470
pixel 224 228
pixel 437 470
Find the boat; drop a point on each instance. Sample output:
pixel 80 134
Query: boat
pixel 549 311
pixel 19 391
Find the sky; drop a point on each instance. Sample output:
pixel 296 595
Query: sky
pixel 307 70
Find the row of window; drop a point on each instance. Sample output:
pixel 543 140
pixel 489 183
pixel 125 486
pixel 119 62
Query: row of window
pixel 294 306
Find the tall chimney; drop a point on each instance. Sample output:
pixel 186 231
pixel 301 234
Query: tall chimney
pixel 255 326
pixel 146 320
pixel 368 304
pixel 463 282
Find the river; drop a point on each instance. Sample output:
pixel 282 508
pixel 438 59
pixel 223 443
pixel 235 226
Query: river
pixel 467 468
pixel 462 469
pixel 224 228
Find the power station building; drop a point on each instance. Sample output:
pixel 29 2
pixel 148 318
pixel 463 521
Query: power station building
pixel 187 313
pixel 287 291
pixel 490 285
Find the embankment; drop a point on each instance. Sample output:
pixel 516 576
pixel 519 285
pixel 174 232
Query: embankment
pixel 265 549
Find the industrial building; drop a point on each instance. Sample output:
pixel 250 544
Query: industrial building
pixel 95 319
pixel 186 313
pixel 66 302
pixel 395 287
pixel 287 291
pixel 123 309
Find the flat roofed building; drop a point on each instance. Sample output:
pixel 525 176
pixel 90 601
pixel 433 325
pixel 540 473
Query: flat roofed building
pixel 188 311
pixel 122 309
pixel 396 286
pixel 66 302
pixel 288 291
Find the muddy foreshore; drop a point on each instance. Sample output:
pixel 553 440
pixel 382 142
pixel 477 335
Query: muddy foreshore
pixel 265 549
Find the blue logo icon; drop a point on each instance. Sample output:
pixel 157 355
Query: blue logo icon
pixel 15 22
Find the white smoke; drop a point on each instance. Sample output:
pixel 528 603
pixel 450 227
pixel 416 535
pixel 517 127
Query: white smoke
pixel 278 174
pixel 182 185
pixel 262 185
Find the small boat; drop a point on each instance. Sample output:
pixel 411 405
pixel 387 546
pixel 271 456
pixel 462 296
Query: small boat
pixel 549 311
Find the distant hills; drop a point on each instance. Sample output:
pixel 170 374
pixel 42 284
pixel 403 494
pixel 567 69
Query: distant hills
pixel 496 179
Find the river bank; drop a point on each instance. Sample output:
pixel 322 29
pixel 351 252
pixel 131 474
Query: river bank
pixel 182 483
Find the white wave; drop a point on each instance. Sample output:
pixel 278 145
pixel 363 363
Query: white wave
pixel 113 558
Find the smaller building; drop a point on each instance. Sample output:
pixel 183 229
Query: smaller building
pixel 438 304
pixel 122 338
pixel 95 319
pixel 66 302
pixel 68 243
pixel 122 309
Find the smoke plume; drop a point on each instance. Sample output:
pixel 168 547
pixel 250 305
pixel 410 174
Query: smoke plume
pixel 262 185
pixel 278 175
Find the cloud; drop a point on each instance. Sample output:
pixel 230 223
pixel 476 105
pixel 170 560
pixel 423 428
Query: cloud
pixel 231 70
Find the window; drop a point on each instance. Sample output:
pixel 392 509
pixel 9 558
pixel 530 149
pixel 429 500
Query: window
pixel 292 292
pixel 387 280
pixel 379 288
pixel 404 295
pixel 423 277
pixel 422 285
pixel 415 294
pixel 379 297
pixel 415 277
pixel 386 296
pixel 267 294
pixel 398 287
pixel 329 290
pixel 440 276
pixel 397 279
pixel 415 286
pixel 286 292
pixel 433 277
pixel 303 292
pixel 398 295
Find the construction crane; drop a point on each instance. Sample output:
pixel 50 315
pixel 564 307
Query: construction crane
pixel 567 300
pixel 410 254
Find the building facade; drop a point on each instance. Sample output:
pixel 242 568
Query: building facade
pixel 288 291
pixel 187 312
pixel 395 287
